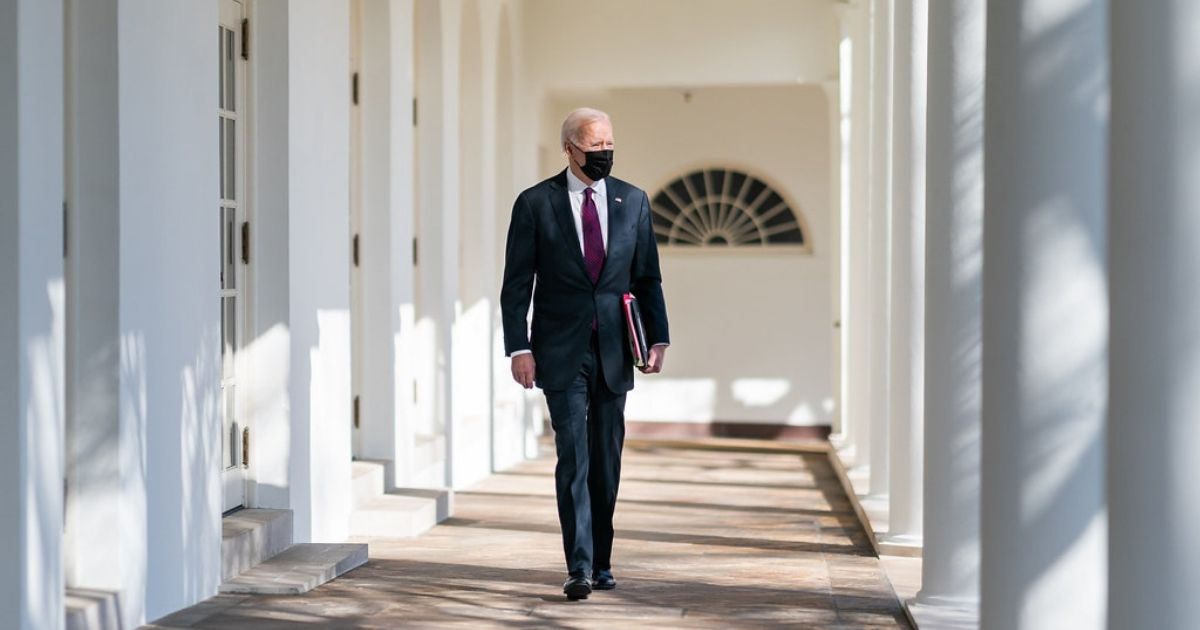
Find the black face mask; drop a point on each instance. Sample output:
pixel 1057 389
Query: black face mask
pixel 598 164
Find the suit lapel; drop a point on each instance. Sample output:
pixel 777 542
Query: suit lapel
pixel 566 221
pixel 619 231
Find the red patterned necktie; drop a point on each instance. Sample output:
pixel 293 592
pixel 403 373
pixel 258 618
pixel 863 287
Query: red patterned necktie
pixel 593 241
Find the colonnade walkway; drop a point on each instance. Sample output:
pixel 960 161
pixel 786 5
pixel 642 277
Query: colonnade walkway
pixel 706 537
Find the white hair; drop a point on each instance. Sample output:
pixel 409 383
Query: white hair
pixel 579 119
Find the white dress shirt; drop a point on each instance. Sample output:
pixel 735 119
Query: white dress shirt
pixel 575 188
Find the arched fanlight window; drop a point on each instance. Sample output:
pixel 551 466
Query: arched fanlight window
pixel 721 207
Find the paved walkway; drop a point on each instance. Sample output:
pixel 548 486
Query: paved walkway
pixel 705 538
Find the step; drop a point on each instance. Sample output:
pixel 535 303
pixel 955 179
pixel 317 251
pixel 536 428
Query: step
pixel 299 569
pixel 92 609
pixel 402 513
pixel 248 537
pixel 367 481
pixel 429 449
pixel 427 467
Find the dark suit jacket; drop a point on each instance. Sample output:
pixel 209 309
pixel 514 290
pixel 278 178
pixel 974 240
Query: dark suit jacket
pixel 543 244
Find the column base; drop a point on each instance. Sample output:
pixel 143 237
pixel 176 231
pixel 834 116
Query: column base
pixel 873 512
pixel 943 613
pixel 847 451
pixel 908 545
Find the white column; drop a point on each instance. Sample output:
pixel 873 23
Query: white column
pixel 1045 329
pixel 437 26
pixel 319 265
pixel 856 317
pixel 301 276
pixel 880 202
pixel 953 291
pixel 106 486
pixel 512 437
pixel 489 17
pixel 837 112
pixel 31 314
pixel 386 236
pixel 168 306
pixel 376 434
pixel 471 449
pixel 449 239
pixel 1154 419
pixel 854 123
pixel 906 287
pixel 402 172
pixel 272 468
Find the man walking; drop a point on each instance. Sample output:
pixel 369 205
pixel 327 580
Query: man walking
pixel 587 239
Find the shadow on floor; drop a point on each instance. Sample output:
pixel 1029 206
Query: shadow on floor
pixel 414 593
pixel 760 539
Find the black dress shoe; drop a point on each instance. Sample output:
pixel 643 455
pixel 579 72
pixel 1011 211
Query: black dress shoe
pixel 578 587
pixel 603 581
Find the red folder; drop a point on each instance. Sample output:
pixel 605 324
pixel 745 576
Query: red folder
pixel 636 331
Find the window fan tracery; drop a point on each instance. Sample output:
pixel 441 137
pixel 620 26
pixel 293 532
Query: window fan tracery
pixel 722 207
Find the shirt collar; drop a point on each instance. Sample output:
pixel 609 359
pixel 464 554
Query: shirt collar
pixel 576 185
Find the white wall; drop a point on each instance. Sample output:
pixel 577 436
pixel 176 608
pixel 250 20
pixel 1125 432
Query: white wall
pixel 679 42
pixel 31 314
pixel 169 315
pixel 750 331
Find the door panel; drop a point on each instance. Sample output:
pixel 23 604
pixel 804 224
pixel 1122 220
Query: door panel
pixel 231 215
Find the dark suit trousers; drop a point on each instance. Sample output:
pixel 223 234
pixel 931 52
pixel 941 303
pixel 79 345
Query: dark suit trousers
pixel 589 432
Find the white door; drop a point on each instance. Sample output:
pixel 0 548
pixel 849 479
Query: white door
pixel 231 121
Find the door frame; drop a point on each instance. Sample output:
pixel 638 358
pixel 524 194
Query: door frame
pixel 234 477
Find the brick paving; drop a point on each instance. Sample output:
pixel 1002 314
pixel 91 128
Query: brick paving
pixel 706 538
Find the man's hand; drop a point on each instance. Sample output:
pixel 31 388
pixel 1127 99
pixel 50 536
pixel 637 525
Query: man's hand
pixel 655 364
pixel 523 369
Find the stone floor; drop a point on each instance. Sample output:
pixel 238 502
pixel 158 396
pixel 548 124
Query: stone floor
pixel 705 538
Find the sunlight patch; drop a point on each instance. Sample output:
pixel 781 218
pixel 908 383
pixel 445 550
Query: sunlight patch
pixel 760 392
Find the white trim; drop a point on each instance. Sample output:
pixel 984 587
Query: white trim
pixel 234 478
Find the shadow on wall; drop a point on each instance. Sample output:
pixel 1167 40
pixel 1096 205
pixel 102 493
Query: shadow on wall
pixel 183 526
pixel 44 424
pixel 200 454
